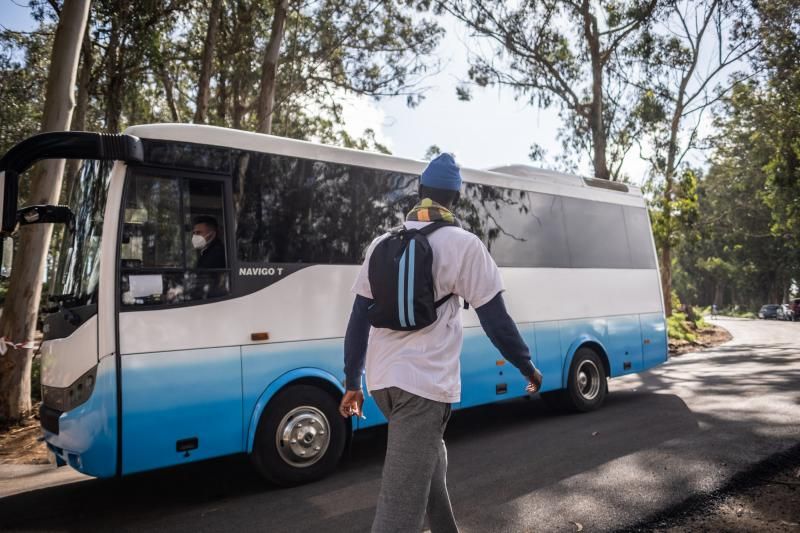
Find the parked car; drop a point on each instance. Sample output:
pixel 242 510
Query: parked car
pixel 769 311
pixel 794 305
pixel 785 312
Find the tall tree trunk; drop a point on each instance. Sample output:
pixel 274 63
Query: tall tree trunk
pixel 84 84
pixel 596 121
pixel 73 166
pixel 81 108
pixel 669 184
pixel 222 99
pixel 209 46
pixel 18 322
pixel 718 292
pixel 666 277
pixel 113 105
pixel 166 81
pixel 238 107
pixel 269 68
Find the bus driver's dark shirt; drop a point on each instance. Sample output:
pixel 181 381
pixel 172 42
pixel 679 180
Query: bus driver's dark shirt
pixel 212 256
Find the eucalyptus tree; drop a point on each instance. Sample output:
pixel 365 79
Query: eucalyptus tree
pixel 310 55
pixel 18 321
pixel 748 235
pixel 24 59
pixel 562 53
pixel 207 61
pixel 779 60
pixel 687 62
pixel 734 255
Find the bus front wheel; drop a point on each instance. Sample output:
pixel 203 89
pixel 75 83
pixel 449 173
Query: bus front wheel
pixel 587 384
pixel 300 437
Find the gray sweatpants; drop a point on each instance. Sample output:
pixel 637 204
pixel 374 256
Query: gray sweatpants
pixel 415 469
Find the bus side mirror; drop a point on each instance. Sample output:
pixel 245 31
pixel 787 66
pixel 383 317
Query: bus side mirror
pixel 9 184
pixel 6 256
pixel 44 214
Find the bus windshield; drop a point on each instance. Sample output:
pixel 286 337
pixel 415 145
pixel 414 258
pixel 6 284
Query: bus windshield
pixel 76 257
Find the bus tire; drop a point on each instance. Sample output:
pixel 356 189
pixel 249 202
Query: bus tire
pixel 300 436
pixel 587 384
pixel 581 394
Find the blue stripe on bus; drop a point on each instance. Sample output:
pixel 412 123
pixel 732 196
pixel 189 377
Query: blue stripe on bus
pixel 159 410
pixel 401 279
pixel 410 306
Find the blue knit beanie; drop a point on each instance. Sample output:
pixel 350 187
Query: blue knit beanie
pixel 442 173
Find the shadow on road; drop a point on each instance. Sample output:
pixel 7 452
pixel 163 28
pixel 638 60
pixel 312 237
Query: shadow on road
pixel 737 370
pixel 496 453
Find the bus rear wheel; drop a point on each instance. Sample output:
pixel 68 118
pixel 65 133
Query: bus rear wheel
pixel 587 384
pixel 300 437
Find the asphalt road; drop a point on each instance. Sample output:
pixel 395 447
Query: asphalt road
pixel 664 435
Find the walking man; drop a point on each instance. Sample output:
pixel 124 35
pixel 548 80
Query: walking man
pixel 414 375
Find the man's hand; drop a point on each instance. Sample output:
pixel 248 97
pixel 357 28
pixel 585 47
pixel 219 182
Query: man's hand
pixel 535 382
pixel 351 404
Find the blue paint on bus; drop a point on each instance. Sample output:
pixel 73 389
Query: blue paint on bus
pixel 218 395
pixel 87 437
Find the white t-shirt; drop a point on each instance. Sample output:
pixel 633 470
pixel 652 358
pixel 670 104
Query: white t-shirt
pixel 426 362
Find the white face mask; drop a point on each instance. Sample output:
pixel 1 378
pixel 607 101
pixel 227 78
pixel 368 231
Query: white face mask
pixel 199 242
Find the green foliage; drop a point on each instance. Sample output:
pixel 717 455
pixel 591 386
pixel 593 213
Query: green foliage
pixel 743 250
pixel 24 60
pixel 685 321
pixel 23 72
pixel 574 56
pixel 145 64
pixel 678 327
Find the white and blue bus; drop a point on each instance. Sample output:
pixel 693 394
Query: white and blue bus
pixel 151 361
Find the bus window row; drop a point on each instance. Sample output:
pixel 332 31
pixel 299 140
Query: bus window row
pixel 175 238
pixel 291 210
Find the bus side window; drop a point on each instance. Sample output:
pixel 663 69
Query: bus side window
pixel 207 253
pixel 173 241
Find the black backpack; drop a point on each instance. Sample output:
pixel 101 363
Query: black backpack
pixel 401 279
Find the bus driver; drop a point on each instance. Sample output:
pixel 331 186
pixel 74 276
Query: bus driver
pixel 211 251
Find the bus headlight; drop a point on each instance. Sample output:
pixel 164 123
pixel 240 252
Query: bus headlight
pixel 66 398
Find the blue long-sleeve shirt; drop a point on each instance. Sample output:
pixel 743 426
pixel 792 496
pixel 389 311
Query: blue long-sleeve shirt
pixel 494 318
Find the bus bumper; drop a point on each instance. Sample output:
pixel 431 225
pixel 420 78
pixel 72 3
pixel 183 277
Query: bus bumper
pixel 85 437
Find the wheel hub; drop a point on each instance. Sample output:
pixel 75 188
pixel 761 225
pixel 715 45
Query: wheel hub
pixel 303 436
pixel 588 380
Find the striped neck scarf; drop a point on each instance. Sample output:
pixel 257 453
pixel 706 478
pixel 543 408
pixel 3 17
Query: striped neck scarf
pixel 429 211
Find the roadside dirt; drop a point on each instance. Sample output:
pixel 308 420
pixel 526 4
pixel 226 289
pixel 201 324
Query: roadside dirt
pixel 706 338
pixel 773 506
pixel 20 444
pixel 765 498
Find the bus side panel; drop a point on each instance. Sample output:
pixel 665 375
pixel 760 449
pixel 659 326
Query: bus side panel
pixel 480 374
pixel 171 398
pixel 654 339
pixel 264 363
pixel 548 354
pixel 624 345
pixel 485 375
pixel 87 438
pixel 572 331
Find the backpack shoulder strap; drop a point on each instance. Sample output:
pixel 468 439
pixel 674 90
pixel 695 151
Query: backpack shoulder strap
pixel 440 301
pixel 433 226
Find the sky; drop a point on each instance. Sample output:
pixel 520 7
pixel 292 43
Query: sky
pixel 490 130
